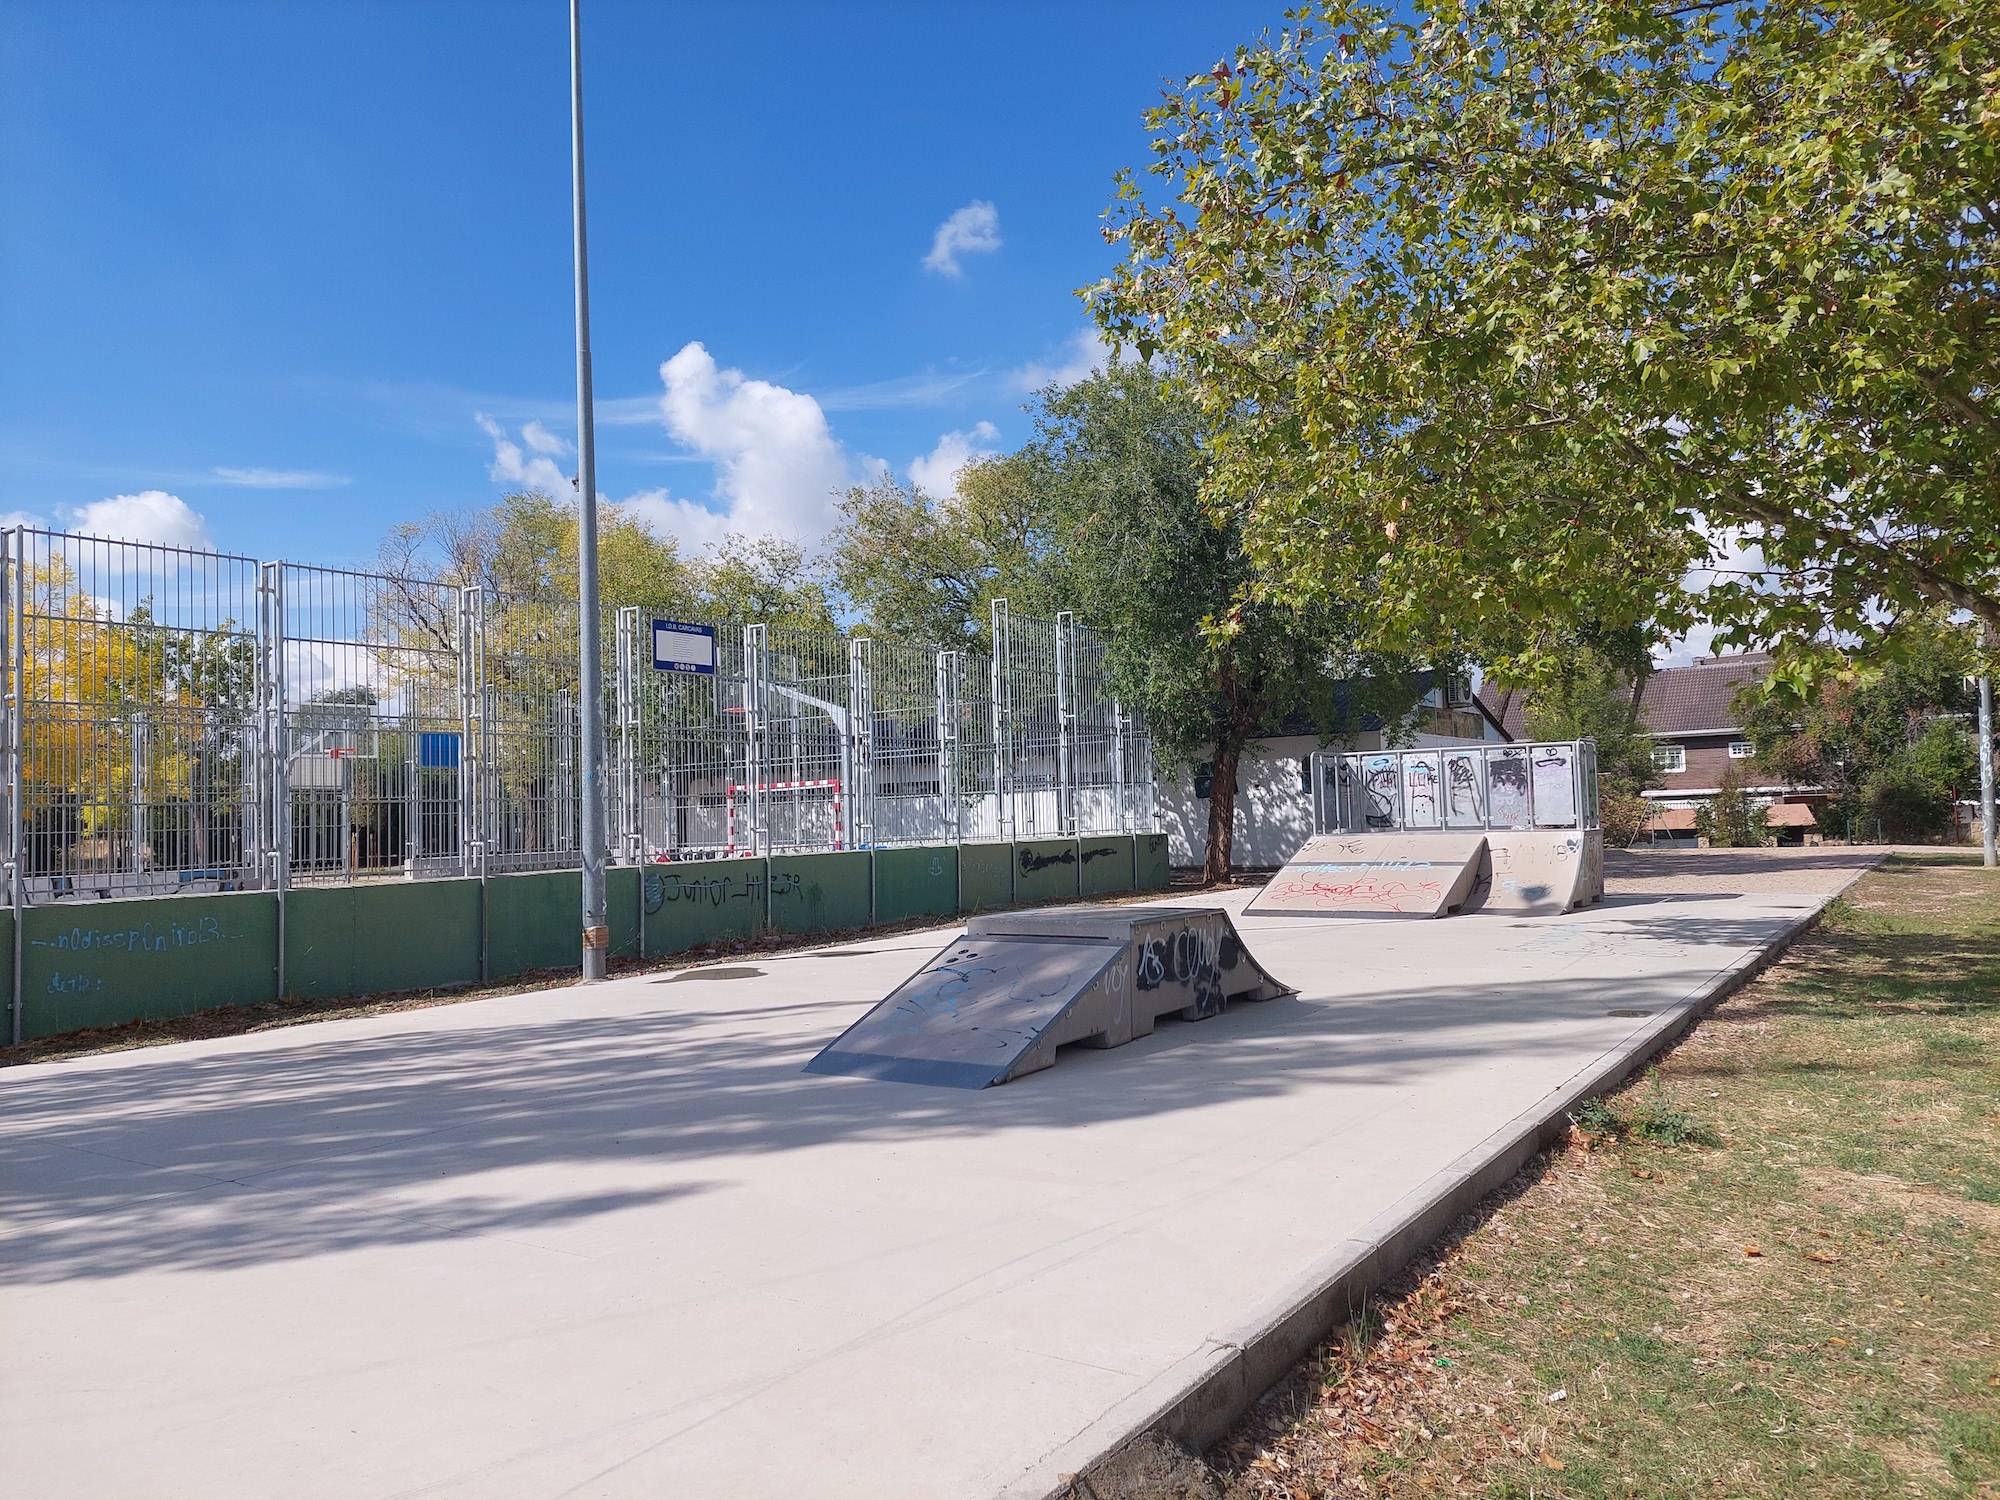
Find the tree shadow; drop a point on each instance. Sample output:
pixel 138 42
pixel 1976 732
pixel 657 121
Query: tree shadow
pixel 244 1155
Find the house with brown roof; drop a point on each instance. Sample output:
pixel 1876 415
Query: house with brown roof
pixel 1697 734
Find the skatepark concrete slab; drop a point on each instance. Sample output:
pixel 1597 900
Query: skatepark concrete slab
pixel 614 1242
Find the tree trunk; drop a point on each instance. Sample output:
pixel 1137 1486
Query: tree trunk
pixel 1221 812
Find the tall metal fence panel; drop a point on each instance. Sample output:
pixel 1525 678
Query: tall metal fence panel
pixel 131 725
pixel 368 732
pixel 180 720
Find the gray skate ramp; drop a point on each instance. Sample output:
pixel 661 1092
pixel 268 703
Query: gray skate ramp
pixel 1375 875
pixel 998 1002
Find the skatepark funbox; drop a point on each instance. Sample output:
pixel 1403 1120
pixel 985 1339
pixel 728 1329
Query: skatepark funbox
pixel 1448 830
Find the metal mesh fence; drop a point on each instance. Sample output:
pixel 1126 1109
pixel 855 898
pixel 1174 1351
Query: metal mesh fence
pixel 131 738
pixel 186 720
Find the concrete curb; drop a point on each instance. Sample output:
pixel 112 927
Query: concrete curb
pixel 1198 1399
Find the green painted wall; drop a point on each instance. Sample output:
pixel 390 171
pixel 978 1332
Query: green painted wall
pixel 621 899
pixel 819 892
pixel 915 883
pixel 103 963
pixel 1044 870
pixel 985 876
pixel 1105 863
pixel 378 939
pixel 533 922
pixel 706 901
pixel 1150 869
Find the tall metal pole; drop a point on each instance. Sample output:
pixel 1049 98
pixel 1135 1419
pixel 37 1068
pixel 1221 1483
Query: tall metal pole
pixel 1986 830
pixel 590 727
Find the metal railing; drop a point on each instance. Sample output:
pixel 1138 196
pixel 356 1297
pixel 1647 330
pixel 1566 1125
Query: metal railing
pixel 1544 784
pixel 182 720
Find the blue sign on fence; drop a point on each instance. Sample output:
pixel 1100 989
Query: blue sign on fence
pixel 681 647
pixel 438 750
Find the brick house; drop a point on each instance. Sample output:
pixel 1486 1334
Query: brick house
pixel 1696 735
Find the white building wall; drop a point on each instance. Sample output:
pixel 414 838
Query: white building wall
pixel 1273 804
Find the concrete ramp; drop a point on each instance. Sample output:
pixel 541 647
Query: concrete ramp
pixel 1376 875
pixel 998 1002
pixel 1539 872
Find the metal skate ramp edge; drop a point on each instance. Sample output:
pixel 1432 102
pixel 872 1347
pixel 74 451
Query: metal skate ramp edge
pixel 998 1002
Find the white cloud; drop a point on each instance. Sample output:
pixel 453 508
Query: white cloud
pixel 972 230
pixel 936 473
pixel 151 516
pixel 1083 356
pixel 541 440
pixel 278 479
pixel 512 466
pixel 778 465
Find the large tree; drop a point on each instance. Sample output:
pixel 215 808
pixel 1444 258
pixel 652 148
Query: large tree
pixel 1890 743
pixel 928 569
pixel 1117 468
pixel 1509 313
pixel 1101 512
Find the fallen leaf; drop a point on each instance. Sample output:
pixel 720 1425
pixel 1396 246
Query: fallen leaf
pixel 1550 1461
pixel 1840 1341
pixel 1752 1250
pixel 1825 1260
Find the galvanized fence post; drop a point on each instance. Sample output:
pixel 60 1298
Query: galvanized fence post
pixel 1003 723
pixel 630 828
pixel 1065 724
pixel 858 776
pixel 13 577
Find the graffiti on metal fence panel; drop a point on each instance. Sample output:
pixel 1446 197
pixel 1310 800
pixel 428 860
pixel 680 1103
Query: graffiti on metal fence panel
pixel 1031 861
pixel 146 938
pixel 717 890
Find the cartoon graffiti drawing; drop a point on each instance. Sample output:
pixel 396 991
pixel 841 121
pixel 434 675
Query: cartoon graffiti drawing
pixel 1420 787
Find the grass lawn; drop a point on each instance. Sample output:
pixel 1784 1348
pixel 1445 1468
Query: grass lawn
pixel 1770 1268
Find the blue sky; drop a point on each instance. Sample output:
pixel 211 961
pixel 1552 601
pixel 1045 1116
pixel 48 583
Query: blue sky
pixel 303 269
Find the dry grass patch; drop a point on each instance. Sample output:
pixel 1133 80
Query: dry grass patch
pixel 1807 1306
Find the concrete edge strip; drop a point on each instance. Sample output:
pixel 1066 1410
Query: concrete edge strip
pixel 1198 1399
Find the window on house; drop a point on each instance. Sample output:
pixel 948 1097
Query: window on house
pixel 1742 749
pixel 1306 776
pixel 1670 758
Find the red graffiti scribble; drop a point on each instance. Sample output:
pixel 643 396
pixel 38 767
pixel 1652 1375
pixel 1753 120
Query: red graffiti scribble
pixel 1383 895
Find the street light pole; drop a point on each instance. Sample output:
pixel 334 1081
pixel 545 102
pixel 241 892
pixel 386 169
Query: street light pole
pixel 1986 830
pixel 590 689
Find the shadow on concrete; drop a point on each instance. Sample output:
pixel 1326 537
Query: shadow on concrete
pixel 243 1157
pixel 1641 864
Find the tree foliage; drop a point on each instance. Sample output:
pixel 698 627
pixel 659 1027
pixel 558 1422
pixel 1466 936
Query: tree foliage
pixel 1518 310
pixel 929 569
pixel 1886 739
pixel 1102 513
pixel 1729 819
pixel 525 547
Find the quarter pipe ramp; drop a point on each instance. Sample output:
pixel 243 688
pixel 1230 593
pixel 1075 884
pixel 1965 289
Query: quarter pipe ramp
pixel 998 1002
pixel 1526 872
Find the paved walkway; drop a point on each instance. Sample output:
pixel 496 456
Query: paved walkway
pixel 612 1242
